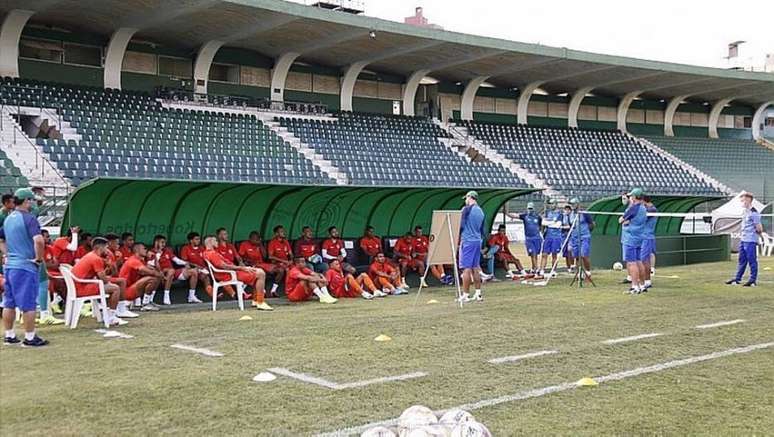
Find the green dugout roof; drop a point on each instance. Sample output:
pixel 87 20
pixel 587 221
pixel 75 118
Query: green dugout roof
pixel 175 208
pixel 608 224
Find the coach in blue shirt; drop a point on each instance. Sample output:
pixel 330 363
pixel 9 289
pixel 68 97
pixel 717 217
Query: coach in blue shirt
pixel 553 244
pixel 632 233
pixel 581 225
pixel 24 246
pixel 748 247
pixel 532 238
pixel 471 238
pixel 648 247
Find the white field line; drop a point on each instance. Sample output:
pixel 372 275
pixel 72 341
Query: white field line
pixel 197 350
pixel 718 324
pixel 632 338
pixel 527 394
pixel 336 386
pixel 520 357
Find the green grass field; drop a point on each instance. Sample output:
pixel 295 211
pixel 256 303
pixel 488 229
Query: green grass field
pixel 84 384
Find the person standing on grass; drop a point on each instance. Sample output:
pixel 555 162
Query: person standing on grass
pixel 24 248
pixel 648 248
pixel 748 247
pixel 632 231
pixel 532 237
pixel 471 237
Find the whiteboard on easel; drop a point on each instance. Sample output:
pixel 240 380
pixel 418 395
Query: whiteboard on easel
pixel 444 234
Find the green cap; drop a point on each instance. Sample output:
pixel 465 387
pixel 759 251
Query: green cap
pixel 472 194
pixel 574 201
pixel 24 194
pixel 636 192
pixel 530 205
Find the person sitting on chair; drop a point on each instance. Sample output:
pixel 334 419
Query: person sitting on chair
pixel 250 276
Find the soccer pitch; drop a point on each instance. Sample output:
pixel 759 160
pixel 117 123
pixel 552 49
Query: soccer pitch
pixel 84 384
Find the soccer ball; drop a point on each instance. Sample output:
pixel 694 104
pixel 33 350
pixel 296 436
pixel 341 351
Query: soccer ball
pixel 617 266
pixel 379 431
pixel 470 429
pixel 415 417
pixel 455 417
pixel 429 431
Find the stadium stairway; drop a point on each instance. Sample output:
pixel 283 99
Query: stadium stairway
pixel 465 141
pixel 326 166
pixel 685 166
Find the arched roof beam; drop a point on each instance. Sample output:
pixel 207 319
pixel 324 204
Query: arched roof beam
pixel 10 33
pixel 279 74
pixel 469 95
pixel 114 56
pixel 522 107
pixel 714 116
pixel 203 63
pixel 575 104
pixel 669 114
pixel 410 90
pixel 623 109
pixel 757 120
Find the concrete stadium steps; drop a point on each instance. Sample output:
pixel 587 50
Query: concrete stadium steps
pixel 21 149
pixel 685 166
pixel 465 141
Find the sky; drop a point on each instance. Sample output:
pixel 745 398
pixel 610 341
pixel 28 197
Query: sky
pixel 693 32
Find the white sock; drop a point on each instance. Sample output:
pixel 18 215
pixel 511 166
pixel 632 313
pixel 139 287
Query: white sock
pixel 274 288
pixel 29 335
pixel 44 314
pixel 57 299
pixel 10 333
pixel 166 294
pixel 628 277
pixel 478 292
pixel 648 283
pixel 111 313
pixel 465 295
pixel 325 291
pixel 146 299
pixel 138 301
pixel 191 293
pixel 121 306
pixel 317 292
pixel 152 296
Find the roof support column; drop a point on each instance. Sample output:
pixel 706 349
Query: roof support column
pixel 280 73
pixel 114 57
pixel 575 104
pixel 202 66
pixel 348 84
pixel 714 116
pixel 469 95
pixel 623 109
pixel 522 108
pixel 669 114
pixel 9 41
pixel 410 90
pixel 757 120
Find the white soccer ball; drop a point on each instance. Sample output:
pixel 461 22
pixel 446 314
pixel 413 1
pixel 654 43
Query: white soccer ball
pixel 429 431
pixel 453 418
pixel 415 417
pixel 378 431
pixel 470 429
pixel 617 266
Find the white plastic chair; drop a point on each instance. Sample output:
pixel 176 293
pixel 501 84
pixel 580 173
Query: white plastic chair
pixel 767 244
pixel 233 282
pixel 73 303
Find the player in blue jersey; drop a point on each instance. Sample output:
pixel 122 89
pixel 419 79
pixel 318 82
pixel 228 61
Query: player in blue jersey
pixel 569 260
pixel 748 247
pixel 471 237
pixel 632 232
pixel 580 237
pixel 552 221
pixel 648 247
pixel 532 237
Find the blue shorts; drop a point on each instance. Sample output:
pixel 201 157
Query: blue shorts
pixel 533 245
pixel 470 255
pixel 21 289
pixel 647 249
pixel 581 247
pixel 567 251
pixel 552 245
pixel 631 253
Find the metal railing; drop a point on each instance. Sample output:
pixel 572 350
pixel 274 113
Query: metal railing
pixel 240 102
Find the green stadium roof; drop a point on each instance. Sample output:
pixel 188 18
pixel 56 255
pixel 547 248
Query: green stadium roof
pixel 336 39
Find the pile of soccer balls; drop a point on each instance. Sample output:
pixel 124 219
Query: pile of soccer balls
pixel 419 421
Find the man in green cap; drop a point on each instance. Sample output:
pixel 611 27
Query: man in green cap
pixel 471 237
pixel 24 248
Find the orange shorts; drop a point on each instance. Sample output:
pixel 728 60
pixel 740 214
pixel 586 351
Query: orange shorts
pixel 131 292
pixel 83 290
pixel 246 278
pixel 299 294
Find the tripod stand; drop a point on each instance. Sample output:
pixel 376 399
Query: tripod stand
pixel 580 273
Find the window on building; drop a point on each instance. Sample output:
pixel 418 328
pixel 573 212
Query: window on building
pixel 82 55
pixel 176 67
pixel 224 73
pixel 40 50
pixel 139 62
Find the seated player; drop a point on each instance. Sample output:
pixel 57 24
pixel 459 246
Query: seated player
pixel 552 221
pixel 64 248
pixel 342 284
pixel 404 257
pixel 301 283
pixel 252 253
pixel 307 247
pixel 370 244
pixel 113 261
pixel 44 287
pixel 164 260
pixel 56 285
pixel 279 251
pixel 250 276
pixel 385 276
pixel 92 266
pixel 127 242
pixel 141 280
pixel 84 247
pixel 419 247
pixel 193 254
pixel 500 252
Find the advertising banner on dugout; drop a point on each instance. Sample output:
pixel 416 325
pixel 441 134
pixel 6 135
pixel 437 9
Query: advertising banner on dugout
pixel 444 234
